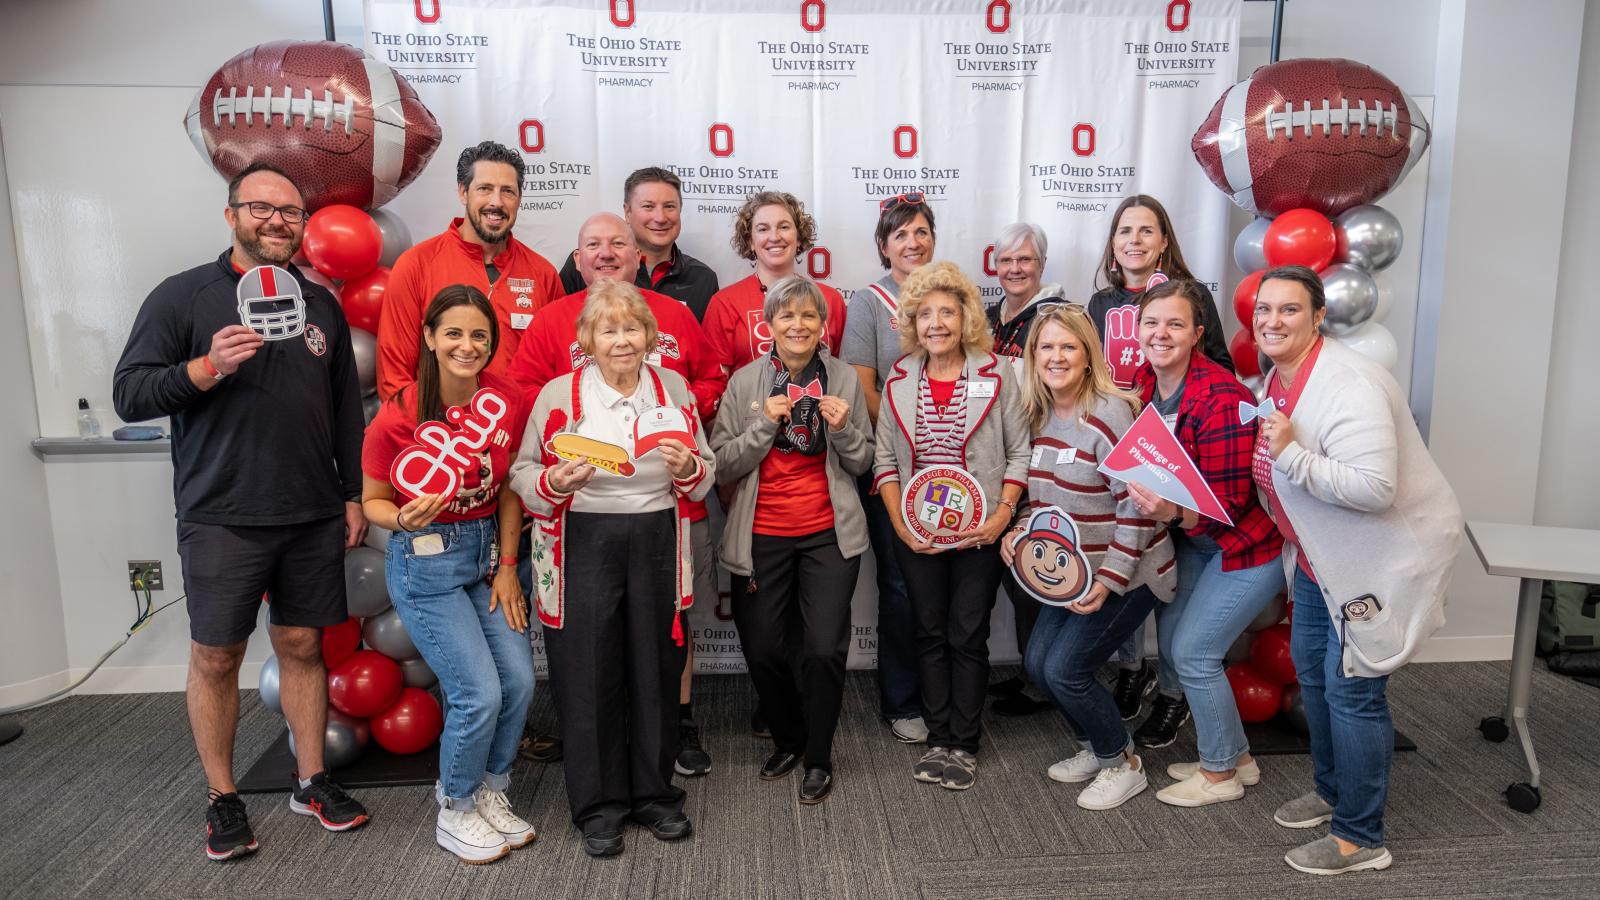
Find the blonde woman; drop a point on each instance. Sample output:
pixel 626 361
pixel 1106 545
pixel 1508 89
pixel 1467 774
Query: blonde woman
pixel 1077 414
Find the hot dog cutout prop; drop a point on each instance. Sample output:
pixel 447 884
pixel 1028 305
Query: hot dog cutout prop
pixel 601 455
pixel 436 463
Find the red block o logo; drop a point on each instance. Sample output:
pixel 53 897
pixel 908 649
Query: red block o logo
pixel 819 262
pixel 988 262
pixel 813 14
pixel 535 143
pixel 1083 139
pixel 1178 15
pixel 721 140
pixel 905 142
pixel 427 18
pixel 1002 23
pixel 616 13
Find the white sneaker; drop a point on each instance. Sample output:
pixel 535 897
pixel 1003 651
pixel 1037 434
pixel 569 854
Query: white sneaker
pixel 1115 786
pixel 1198 790
pixel 1248 774
pixel 496 810
pixel 469 836
pixel 1078 768
pixel 910 730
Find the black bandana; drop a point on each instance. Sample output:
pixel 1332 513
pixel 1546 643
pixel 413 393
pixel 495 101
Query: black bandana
pixel 804 433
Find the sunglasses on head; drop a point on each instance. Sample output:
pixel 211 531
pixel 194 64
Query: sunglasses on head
pixel 910 197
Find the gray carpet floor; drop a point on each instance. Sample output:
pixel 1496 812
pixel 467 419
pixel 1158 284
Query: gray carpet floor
pixel 102 798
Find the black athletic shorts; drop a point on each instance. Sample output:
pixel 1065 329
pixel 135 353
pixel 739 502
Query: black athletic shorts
pixel 226 569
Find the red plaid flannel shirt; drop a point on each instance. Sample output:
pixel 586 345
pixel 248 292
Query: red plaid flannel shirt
pixel 1209 430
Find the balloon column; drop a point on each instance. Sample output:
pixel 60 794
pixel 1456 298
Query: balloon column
pixel 1261 670
pixel 380 692
pixel 1312 172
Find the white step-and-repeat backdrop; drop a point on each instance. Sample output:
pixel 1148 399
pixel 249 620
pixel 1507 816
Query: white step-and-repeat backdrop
pixel 1048 111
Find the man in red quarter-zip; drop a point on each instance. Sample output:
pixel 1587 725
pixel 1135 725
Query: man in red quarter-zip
pixel 476 250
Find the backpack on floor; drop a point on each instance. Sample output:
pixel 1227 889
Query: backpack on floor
pixel 1569 617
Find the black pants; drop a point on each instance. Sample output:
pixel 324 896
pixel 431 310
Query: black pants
pixel 614 668
pixel 1024 610
pixel 796 631
pixel 951 594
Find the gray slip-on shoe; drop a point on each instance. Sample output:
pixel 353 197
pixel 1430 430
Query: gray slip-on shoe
pixel 1322 857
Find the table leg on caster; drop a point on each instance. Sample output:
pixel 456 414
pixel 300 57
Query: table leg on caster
pixel 1521 796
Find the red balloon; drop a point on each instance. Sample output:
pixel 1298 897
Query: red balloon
pixel 410 725
pixel 1244 299
pixel 1269 655
pixel 310 274
pixel 365 684
pixel 1257 698
pixel 363 299
pixel 343 242
pixel 1242 347
pixel 1299 237
pixel 339 641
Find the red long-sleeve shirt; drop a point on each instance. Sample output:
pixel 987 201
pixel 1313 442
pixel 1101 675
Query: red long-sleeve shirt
pixel 737 331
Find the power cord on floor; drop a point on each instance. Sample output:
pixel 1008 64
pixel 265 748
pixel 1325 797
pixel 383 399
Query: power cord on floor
pixel 143 612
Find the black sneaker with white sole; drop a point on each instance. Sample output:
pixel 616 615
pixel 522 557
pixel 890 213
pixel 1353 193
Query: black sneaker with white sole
pixel 693 760
pixel 1133 685
pixel 1166 717
pixel 228 833
pixel 327 801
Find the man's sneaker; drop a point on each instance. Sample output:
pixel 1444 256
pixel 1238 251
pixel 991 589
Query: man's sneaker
pixel 1305 811
pixel 1323 857
pixel 1074 769
pixel 930 767
pixel 540 748
pixel 469 836
pixel 1198 790
pixel 496 810
pixel 1249 774
pixel 1114 786
pixel 692 758
pixel 909 730
pixel 1132 686
pixel 1166 717
pixel 325 799
pixel 960 771
pixel 228 831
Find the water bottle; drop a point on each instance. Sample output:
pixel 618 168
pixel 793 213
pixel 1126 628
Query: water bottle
pixel 88 423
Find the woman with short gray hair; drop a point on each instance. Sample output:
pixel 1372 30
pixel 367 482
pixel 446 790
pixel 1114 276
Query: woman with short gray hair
pixel 1019 256
pixel 791 438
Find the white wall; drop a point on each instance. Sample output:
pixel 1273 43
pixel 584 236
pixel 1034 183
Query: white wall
pixel 77 94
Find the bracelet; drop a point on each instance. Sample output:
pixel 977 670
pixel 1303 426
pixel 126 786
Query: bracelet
pixel 211 369
pixel 1010 504
pixel 506 562
pixel 399 519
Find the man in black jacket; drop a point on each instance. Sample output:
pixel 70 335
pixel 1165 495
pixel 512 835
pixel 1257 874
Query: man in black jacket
pixel 255 367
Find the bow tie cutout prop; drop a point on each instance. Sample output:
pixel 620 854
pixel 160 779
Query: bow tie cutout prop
pixel 1247 412
pixel 812 390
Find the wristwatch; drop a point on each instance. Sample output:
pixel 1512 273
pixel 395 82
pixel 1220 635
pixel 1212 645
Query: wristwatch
pixel 1176 521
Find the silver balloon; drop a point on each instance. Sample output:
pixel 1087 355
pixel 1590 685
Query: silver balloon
pixel 378 537
pixel 1294 709
pixel 1239 650
pixel 396 236
pixel 1265 363
pixel 1369 237
pixel 417 674
pixel 1375 342
pixel 271 685
pixel 386 634
pixel 369 408
pixel 1269 616
pixel 1352 298
pixel 1249 248
pixel 342 741
pixel 1256 385
pixel 365 346
pixel 366 593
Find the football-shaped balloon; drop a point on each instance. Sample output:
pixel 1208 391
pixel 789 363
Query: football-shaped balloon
pixel 1323 134
pixel 345 127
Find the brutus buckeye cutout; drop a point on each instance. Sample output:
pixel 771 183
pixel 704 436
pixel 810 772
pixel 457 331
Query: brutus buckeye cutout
pixel 345 127
pixel 438 462
pixel 1322 134
pixel 1047 561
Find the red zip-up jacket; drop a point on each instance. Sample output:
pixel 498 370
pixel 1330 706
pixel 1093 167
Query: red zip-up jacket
pixel 1208 428
pixel 527 282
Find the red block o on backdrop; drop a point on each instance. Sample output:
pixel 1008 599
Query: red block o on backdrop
pixel 1257 698
pixel 410 725
pixel 365 684
pixel 339 641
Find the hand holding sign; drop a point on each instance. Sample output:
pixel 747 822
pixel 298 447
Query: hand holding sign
pixel 436 462
pixel 1149 455
pixel 660 424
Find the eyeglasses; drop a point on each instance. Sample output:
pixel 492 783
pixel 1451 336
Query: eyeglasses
pixel 910 197
pixel 293 215
pixel 1016 260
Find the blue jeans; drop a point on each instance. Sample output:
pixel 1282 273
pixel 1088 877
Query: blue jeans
pixel 1065 654
pixel 1211 610
pixel 1352 736
pixel 898 693
pixel 485 669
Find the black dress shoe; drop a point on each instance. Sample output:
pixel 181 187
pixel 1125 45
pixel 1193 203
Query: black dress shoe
pixel 603 843
pixel 1019 705
pixel 1010 687
pixel 816 786
pixel 672 828
pixel 778 765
